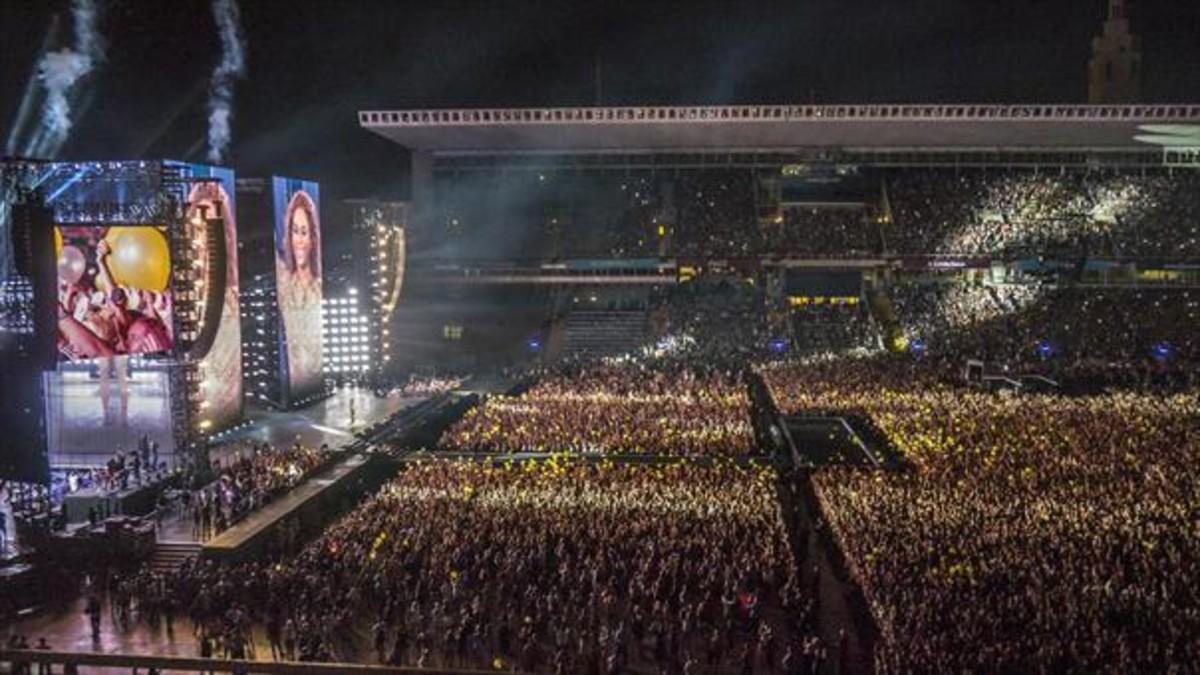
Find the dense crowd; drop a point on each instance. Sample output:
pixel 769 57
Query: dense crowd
pixel 550 214
pixel 1036 533
pixel 933 311
pixel 837 325
pixel 957 317
pixel 615 408
pixel 713 323
pixel 430 385
pixel 717 216
pixel 554 567
pixel 719 212
pixel 252 476
pixel 826 232
pixel 1037 212
pixel 1146 333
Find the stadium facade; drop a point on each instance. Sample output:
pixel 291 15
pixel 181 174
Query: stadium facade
pixel 884 135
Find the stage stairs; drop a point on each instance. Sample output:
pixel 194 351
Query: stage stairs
pixel 169 555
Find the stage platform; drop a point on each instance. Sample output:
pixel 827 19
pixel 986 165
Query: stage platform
pixel 332 421
pixel 135 501
pixel 256 533
pixel 852 440
pixel 282 525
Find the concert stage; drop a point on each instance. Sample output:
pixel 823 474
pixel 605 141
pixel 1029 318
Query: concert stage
pixel 269 529
pixel 134 501
pixel 333 421
pixel 282 525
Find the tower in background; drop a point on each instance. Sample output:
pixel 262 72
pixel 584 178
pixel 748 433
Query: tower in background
pixel 1115 70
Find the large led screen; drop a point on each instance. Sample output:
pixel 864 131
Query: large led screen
pixel 95 408
pixel 221 367
pixel 298 284
pixel 114 291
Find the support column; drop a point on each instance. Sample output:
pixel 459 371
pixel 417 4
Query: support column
pixel 421 199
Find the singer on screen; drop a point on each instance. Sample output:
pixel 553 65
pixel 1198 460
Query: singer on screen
pixel 298 271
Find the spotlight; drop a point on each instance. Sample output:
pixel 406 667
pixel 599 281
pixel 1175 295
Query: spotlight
pixel 1161 351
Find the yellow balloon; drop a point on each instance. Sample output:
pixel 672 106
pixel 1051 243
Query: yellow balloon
pixel 57 242
pixel 140 257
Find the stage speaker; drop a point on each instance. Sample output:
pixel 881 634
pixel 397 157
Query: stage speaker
pixel 34 258
pixel 23 419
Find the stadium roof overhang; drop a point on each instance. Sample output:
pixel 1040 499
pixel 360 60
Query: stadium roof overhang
pixel 787 127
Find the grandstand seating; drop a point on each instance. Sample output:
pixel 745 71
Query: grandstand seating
pixel 833 328
pixel 603 332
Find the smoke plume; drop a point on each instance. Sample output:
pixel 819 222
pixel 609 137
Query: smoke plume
pixel 59 72
pixel 228 70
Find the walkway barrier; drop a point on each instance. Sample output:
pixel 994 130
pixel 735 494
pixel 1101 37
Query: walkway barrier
pixel 185 664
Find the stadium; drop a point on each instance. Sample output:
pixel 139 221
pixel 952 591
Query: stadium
pixel 664 389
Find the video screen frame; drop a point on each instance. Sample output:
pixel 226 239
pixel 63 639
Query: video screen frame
pixel 114 291
pixel 298 282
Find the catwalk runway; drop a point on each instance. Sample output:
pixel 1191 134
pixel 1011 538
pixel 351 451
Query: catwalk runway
pixel 333 420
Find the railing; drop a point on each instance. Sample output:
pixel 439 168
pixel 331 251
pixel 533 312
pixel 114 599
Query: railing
pixel 775 113
pixel 195 664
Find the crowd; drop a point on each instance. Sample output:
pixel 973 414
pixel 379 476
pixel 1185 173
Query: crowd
pixel 718 324
pixel 837 325
pixel 1064 331
pixel 717 215
pixel 1036 533
pixel 825 232
pixel 614 217
pixel 550 214
pixel 557 566
pixel 140 466
pixel 957 315
pixel 717 212
pixel 251 477
pixel 615 408
pixel 428 386
pixel 1066 212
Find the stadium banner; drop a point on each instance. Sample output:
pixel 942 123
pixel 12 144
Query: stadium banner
pixel 945 262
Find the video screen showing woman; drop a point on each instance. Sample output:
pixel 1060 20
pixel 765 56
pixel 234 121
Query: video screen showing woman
pixel 298 285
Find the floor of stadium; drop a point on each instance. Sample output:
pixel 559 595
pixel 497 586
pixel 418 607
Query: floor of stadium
pixel 843 622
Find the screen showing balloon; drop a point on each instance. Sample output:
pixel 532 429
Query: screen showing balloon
pixel 114 291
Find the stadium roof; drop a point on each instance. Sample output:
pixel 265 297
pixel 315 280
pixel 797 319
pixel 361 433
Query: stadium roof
pixel 784 127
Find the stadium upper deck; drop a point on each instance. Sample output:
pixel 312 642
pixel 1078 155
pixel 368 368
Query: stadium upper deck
pixel 1139 129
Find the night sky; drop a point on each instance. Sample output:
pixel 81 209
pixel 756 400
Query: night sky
pixel 313 63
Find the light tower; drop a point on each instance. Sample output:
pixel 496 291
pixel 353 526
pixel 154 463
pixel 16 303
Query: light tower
pixel 1115 70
